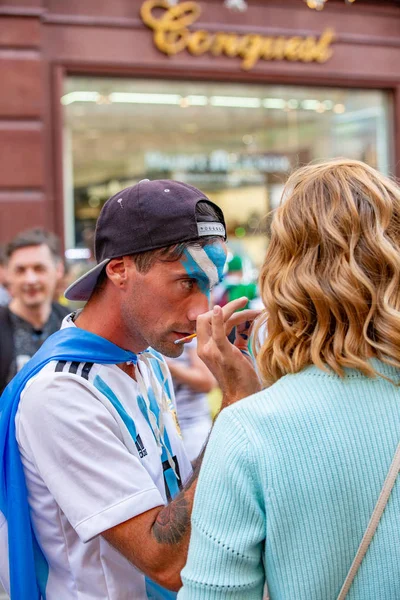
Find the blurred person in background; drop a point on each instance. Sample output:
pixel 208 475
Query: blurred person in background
pixel 192 381
pixel 292 474
pixel 34 266
pixel 4 295
pixel 234 285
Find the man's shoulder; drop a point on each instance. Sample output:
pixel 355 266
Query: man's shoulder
pixel 65 382
pixel 79 377
pixel 67 371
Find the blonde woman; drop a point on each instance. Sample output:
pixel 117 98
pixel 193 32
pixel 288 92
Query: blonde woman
pixel 292 474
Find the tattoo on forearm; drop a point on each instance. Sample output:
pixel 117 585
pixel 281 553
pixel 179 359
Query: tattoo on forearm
pixel 172 522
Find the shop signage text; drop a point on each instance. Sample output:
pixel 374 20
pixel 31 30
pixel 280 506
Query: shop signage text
pixel 216 161
pixel 172 35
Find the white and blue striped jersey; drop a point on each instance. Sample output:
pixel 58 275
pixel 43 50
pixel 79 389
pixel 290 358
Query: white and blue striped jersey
pixel 90 448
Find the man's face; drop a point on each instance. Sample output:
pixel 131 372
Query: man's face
pixel 32 273
pixel 162 305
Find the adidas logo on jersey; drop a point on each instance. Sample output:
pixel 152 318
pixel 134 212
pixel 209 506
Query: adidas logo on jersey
pixel 140 447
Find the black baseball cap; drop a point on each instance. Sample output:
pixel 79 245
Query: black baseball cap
pixel 146 216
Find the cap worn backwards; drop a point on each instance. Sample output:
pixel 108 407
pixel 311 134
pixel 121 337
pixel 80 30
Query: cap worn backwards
pixel 145 216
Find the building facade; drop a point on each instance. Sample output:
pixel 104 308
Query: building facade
pixel 97 95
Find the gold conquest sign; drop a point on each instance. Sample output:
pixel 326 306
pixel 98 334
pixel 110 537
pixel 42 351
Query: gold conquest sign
pixel 172 35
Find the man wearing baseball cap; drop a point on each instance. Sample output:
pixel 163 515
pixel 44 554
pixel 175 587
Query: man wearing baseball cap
pixel 95 496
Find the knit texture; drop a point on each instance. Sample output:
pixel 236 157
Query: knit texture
pixel 289 481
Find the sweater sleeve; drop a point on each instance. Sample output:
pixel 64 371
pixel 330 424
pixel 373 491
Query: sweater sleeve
pixel 228 521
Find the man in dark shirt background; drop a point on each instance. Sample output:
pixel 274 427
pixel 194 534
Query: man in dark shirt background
pixel 34 266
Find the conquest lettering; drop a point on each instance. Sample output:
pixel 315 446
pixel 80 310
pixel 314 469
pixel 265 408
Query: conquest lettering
pixel 172 35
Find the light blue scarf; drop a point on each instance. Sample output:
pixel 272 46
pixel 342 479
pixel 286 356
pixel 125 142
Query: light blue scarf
pixel 25 557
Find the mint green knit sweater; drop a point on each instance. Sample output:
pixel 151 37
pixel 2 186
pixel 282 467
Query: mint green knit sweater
pixel 290 478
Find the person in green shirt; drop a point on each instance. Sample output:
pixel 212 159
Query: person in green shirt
pixel 234 286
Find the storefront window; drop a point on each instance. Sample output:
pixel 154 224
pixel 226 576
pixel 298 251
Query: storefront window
pixel 236 142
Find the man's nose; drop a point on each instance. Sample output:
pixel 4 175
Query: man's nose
pixel 200 304
pixel 30 276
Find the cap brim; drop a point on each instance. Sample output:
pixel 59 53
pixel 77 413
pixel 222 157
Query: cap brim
pixel 83 287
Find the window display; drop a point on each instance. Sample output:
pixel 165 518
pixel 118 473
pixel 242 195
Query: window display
pixel 237 142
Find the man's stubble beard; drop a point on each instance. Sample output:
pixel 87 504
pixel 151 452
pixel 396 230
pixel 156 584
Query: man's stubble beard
pixel 168 349
pixel 164 346
pixel 141 330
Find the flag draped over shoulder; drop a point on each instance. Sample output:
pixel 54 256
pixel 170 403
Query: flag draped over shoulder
pixel 26 561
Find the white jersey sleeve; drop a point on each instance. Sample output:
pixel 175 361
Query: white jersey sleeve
pixel 76 446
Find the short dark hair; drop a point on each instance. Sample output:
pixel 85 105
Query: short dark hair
pixel 145 260
pixel 35 237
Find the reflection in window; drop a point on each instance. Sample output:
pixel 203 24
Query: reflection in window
pixel 236 142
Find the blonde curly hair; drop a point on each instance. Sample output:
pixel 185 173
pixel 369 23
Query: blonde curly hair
pixel 330 281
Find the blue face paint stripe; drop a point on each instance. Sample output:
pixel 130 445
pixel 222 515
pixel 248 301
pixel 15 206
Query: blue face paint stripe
pixel 194 271
pixel 101 385
pixel 216 254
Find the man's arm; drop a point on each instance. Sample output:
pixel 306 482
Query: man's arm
pixel 157 541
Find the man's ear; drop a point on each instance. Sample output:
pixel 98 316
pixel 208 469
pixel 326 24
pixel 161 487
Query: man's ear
pixel 117 271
